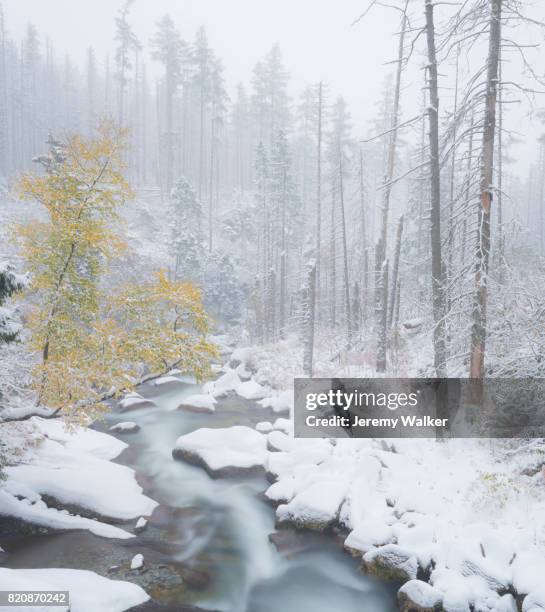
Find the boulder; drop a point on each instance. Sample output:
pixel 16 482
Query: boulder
pixel 419 596
pixel 391 562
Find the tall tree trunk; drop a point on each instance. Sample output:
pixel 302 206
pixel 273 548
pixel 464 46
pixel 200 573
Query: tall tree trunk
pixel 387 187
pixel 437 271
pixel 501 237
pixel 478 332
pixel 382 316
pixel 345 250
pixel 169 95
pixel 319 194
pixel 395 273
pixel 310 303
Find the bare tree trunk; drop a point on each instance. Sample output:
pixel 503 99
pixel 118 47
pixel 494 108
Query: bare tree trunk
pixel 467 191
pixel 271 314
pixel 310 303
pixel 501 237
pixel 345 249
pixel 395 272
pixel 398 301
pixel 169 95
pixel 333 265
pixel 383 317
pixel 319 193
pixel 282 314
pixel 478 332
pixel 363 230
pixel 437 271
pixel 387 187
pixel 365 299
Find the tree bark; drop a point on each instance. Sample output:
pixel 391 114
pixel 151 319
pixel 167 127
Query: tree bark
pixel 478 332
pixel 437 270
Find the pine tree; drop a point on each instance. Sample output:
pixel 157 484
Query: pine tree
pixel 127 42
pixel 270 99
pixel 10 284
pixel 169 49
pixel 186 234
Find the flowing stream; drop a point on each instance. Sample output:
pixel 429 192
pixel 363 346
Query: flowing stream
pixel 218 528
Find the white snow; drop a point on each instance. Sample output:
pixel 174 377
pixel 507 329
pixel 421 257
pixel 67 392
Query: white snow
pixel 137 561
pixel 89 592
pixel 166 380
pixel 141 523
pixel 238 447
pixel 422 594
pixel 227 382
pixel 125 427
pixel 203 402
pixel 73 466
pixel 134 400
pixel 316 505
pixel 264 426
pixel 281 401
pixel 252 390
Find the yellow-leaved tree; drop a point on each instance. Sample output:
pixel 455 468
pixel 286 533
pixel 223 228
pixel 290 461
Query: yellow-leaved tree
pixel 91 345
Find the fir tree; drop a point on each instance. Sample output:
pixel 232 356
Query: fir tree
pixel 10 283
pixel 186 232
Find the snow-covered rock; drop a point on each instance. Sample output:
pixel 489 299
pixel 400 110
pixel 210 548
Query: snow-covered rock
pixel 89 592
pixel 316 507
pixel 225 384
pixel 252 390
pixel 279 441
pixel 264 426
pixel 202 402
pixel 167 380
pixel 134 400
pixel 125 427
pixel 282 401
pixel 137 562
pixel 233 451
pixel 141 524
pixel 419 596
pixel 391 562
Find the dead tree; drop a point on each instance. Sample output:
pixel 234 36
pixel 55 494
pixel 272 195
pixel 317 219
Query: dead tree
pixel 437 270
pixel 309 316
pixel 388 178
pixel 382 316
pixel 395 273
pixel 478 331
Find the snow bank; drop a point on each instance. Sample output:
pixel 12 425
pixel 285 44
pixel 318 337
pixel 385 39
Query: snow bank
pixel 89 592
pixel 224 452
pixel 73 467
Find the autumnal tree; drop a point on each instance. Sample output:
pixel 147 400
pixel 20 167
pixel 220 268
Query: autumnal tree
pixel 90 348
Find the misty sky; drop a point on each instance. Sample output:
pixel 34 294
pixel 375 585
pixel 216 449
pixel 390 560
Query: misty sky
pixel 316 37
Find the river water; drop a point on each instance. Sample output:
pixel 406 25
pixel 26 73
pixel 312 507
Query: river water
pixel 218 528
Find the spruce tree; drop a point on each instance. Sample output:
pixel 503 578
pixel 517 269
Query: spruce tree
pixel 10 283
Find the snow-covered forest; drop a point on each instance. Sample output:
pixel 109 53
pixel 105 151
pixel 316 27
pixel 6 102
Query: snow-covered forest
pixel 178 246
